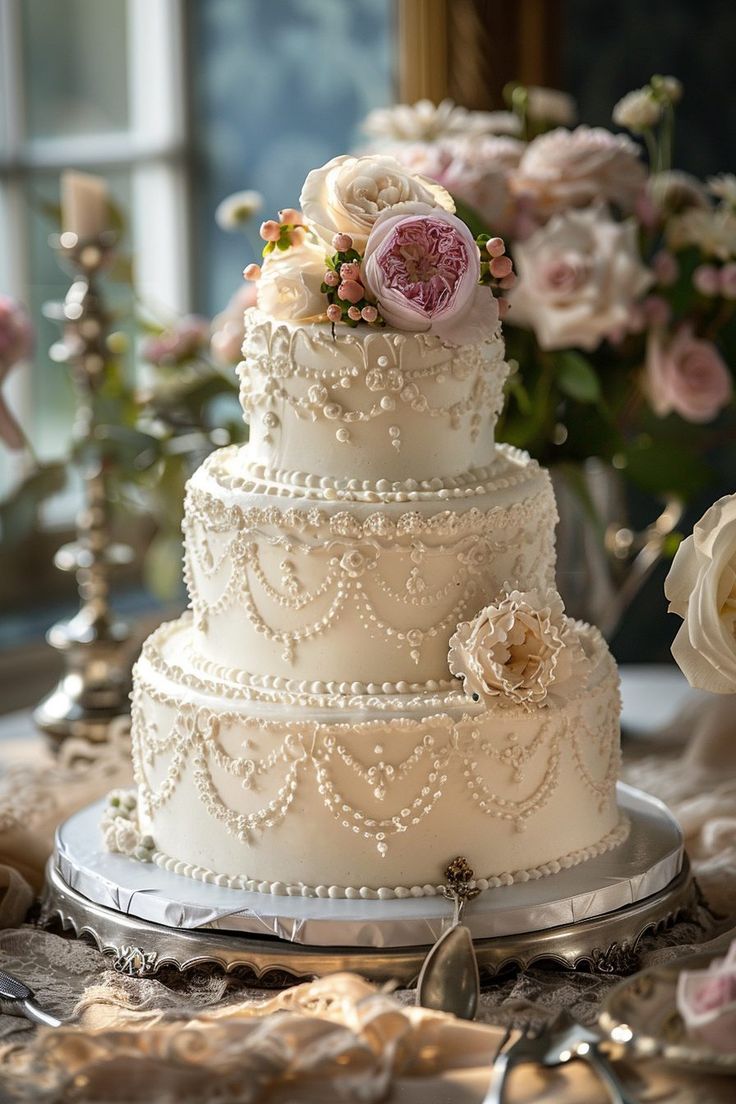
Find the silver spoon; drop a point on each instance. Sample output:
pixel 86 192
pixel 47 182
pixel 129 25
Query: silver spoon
pixel 449 980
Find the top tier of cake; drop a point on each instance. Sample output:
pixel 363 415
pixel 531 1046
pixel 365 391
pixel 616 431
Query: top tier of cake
pixel 371 404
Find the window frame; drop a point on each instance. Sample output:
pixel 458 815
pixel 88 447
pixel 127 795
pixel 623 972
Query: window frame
pixel 155 150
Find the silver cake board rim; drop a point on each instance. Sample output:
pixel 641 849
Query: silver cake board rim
pixel 641 867
pixel 607 944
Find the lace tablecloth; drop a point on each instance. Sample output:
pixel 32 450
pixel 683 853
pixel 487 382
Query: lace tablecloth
pixel 208 1037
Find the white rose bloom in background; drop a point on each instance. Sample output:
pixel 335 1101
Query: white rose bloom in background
pixel 522 649
pixel 723 187
pixel 673 191
pixel 701 588
pixel 235 210
pixel 577 278
pixel 712 231
pixel 290 283
pixel 426 122
pixel 550 105
pixel 637 110
pixel 574 168
pixel 347 195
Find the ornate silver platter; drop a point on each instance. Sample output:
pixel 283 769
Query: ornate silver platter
pixel 592 916
pixel 607 944
pixel 641 1015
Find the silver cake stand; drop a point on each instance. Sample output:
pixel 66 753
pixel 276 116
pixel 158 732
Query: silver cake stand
pixel 592 916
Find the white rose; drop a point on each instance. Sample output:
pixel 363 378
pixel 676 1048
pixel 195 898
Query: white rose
pixel 347 195
pixel 290 282
pixel 523 649
pixel 577 278
pixel 573 168
pixel 637 110
pixel 701 588
pixel 427 122
pixel 550 105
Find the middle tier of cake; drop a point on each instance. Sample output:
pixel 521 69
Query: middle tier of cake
pixel 356 589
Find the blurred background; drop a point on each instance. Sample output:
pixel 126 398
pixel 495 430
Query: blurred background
pixel 179 103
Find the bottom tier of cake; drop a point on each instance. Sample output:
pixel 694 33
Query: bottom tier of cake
pixel 264 785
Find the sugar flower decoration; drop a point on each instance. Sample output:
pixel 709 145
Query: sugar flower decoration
pixel 521 650
pixel 348 194
pixel 422 267
pixel 701 587
pixel 289 283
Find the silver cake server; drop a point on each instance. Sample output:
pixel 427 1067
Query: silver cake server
pixel 449 979
pixel 22 999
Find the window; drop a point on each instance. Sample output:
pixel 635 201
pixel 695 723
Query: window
pixel 97 85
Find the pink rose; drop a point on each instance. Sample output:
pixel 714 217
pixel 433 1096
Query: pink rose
pixel 573 168
pixel 579 277
pixel 475 170
pixel 422 267
pixel 686 375
pixel 184 341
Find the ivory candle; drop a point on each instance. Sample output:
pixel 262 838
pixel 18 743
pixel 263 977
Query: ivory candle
pixel 84 204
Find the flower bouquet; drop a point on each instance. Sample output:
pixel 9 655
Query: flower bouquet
pixel 622 321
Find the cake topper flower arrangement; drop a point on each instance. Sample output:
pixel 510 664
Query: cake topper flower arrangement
pixel 519 650
pixel 377 243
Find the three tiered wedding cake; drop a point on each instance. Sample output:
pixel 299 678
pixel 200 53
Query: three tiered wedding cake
pixel 376 674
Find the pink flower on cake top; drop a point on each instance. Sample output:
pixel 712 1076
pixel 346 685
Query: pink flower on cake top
pixel 376 243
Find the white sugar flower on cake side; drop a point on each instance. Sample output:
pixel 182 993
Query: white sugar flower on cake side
pixel 375 675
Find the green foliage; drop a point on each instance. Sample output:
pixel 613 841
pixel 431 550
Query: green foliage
pixel 576 377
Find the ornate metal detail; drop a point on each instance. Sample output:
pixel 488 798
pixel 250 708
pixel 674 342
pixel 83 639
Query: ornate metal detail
pixel 135 961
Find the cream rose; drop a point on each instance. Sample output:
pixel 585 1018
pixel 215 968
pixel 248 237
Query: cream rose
pixel 290 282
pixel 578 277
pixel 347 195
pixel 701 588
pixel 573 168
pixel 522 649
pixel 686 375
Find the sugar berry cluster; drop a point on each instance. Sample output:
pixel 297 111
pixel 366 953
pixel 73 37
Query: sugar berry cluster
pixel 496 269
pixel 343 286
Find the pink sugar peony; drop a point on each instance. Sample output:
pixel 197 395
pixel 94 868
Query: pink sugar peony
pixel 16 343
pixel 422 267
pixel 686 375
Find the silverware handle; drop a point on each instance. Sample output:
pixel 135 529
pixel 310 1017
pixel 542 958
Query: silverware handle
pixel 609 1077
pixel 499 1071
pixel 32 1012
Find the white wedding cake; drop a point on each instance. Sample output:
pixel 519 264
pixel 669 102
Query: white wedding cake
pixel 376 674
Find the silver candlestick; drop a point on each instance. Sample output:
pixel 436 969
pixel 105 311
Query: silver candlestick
pixel 94 643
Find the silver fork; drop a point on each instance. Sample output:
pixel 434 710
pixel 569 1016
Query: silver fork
pixel 526 1048
pixel 556 1044
pixel 569 1039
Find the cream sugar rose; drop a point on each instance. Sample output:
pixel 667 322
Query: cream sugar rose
pixel 376 674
